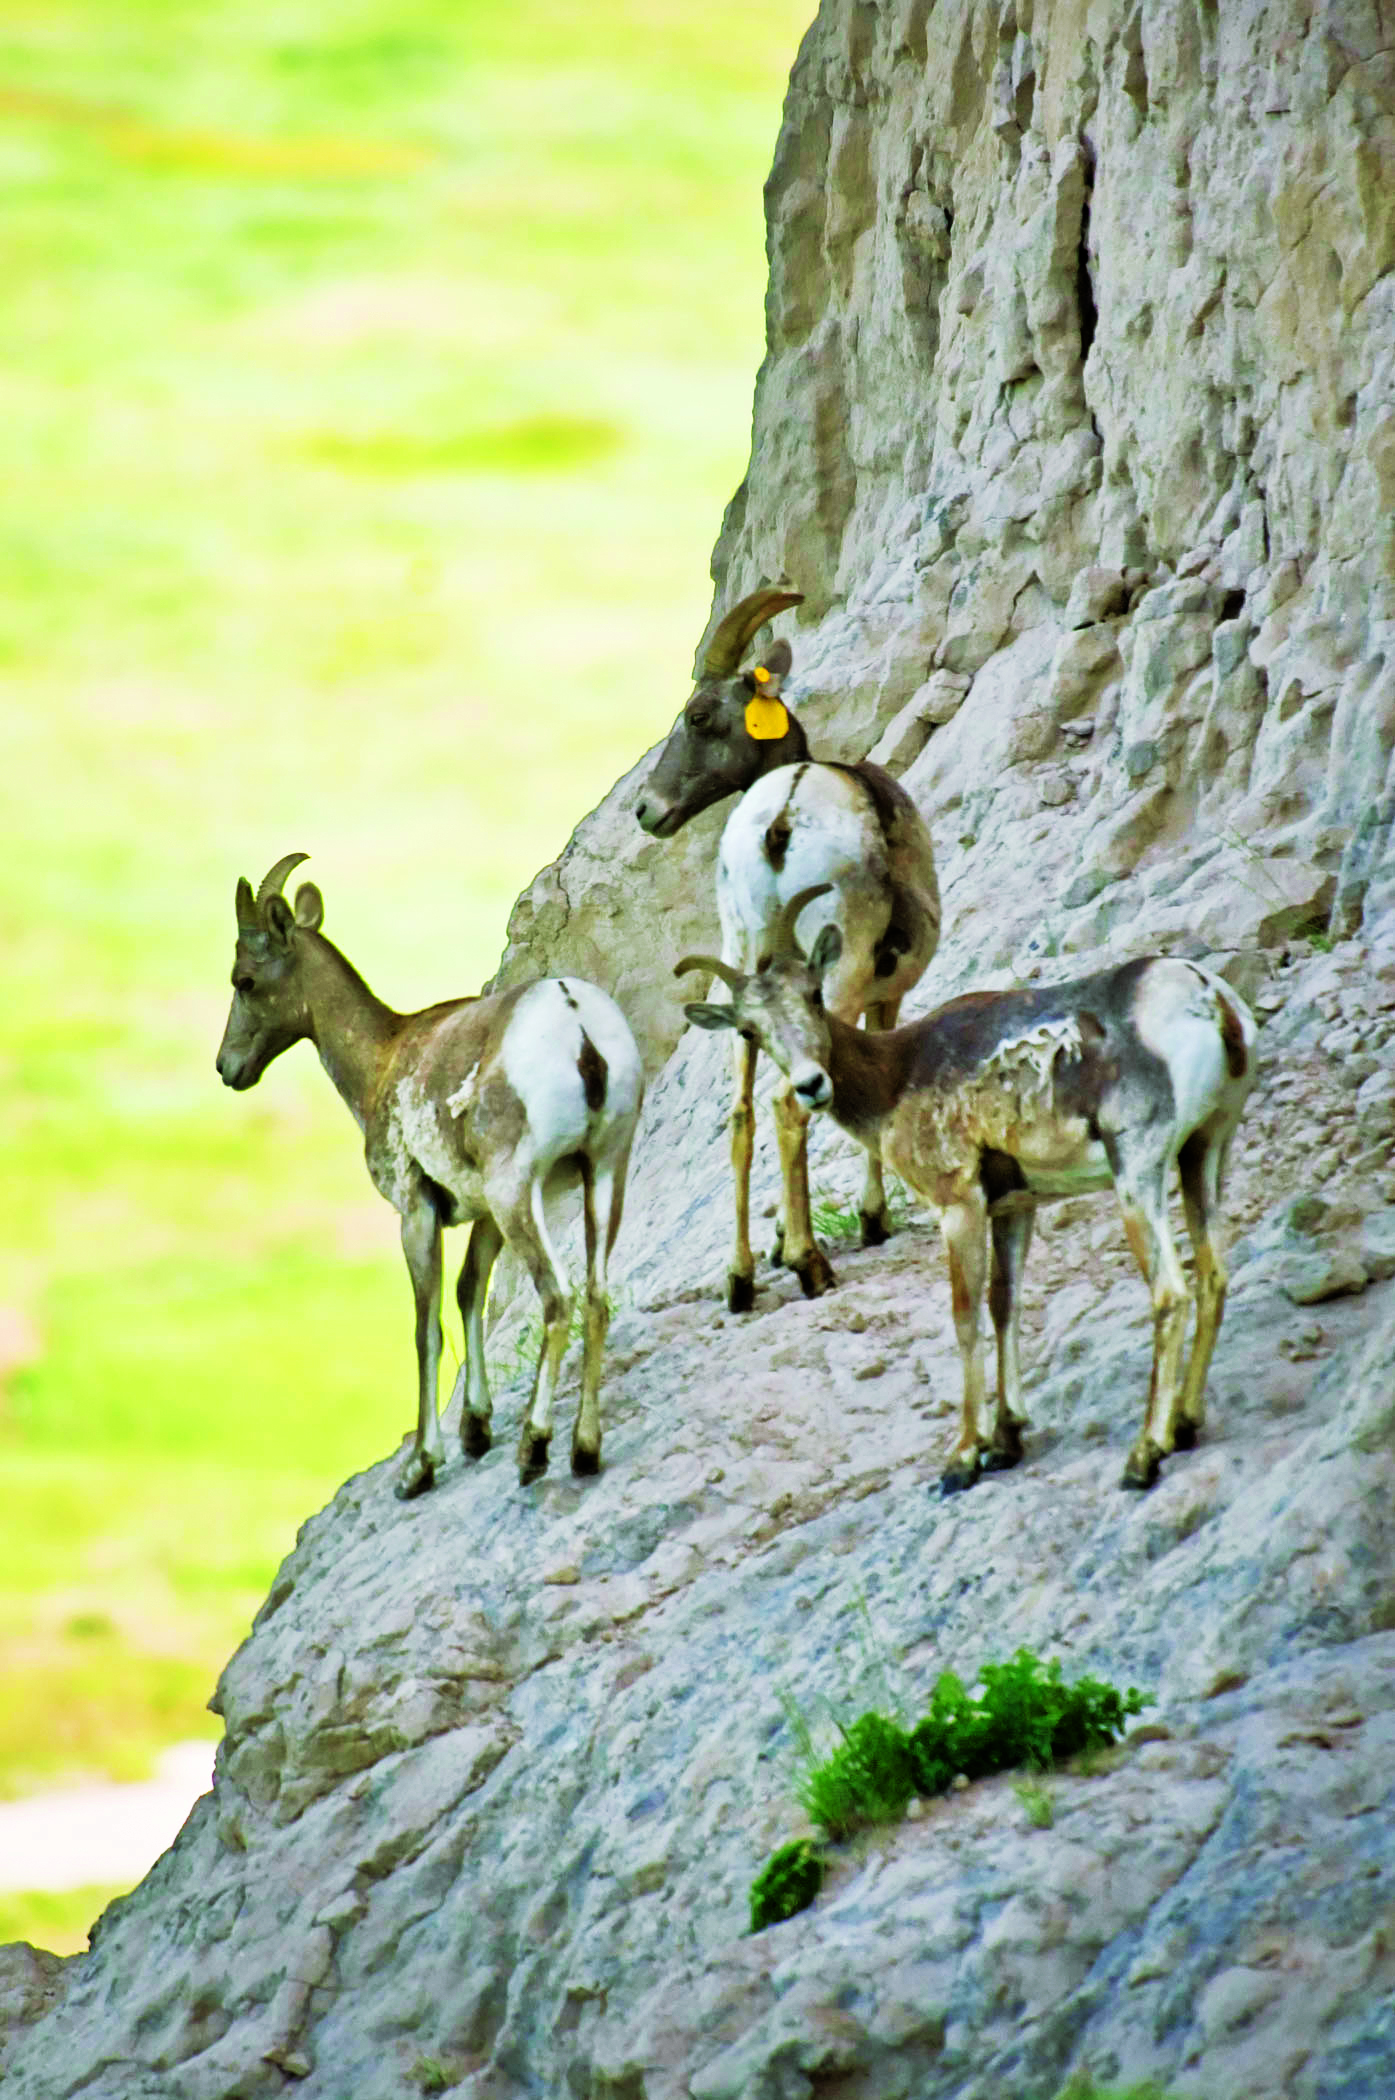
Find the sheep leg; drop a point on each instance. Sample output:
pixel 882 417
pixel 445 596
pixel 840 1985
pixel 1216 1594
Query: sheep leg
pixel 472 1383
pixel 1143 1200
pixel 521 1214
pixel 1198 1169
pixel 872 1211
pixel 1012 1235
pixel 964 1226
pixel 741 1275
pixel 597 1194
pixel 421 1245
pixel 801 1251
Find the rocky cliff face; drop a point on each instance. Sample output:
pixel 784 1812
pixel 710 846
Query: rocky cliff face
pixel 1077 428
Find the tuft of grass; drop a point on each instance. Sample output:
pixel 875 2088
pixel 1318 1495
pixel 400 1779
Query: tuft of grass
pixel 430 2075
pixel 787 1884
pixel 835 1221
pixel 1024 1714
pixel 515 1361
pixel 831 1222
pixel 870 1778
pixel 1083 2087
pixel 1036 1801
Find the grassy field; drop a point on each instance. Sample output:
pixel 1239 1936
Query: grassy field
pixel 372 380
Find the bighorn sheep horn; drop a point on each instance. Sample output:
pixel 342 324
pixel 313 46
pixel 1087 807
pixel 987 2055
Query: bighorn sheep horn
pixel 782 941
pixel 730 977
pixel 723 652
pixel 272 881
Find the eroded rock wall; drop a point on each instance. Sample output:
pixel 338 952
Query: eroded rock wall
pixel 1077 428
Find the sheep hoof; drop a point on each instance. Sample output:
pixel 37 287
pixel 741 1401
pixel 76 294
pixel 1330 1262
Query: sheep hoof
pixel 960 1477
pixel 816 1275
pixel 1184 1436
pixel 1141 1473
pixel 585 1464
pixel 1005 1451
pixel 741 1292
pixel 532 1456
pixel 875 1230
pixel 476 1436
pixel 417 1475
pixel 996 1461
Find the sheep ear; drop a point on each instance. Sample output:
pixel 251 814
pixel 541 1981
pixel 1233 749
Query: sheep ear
pixel 246 907
pixel 826 950
pixel 279 920
pixel 309 907
pixel 706 1013
pixel 778 658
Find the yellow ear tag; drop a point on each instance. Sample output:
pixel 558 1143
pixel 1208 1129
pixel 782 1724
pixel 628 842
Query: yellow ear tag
pixel 767 718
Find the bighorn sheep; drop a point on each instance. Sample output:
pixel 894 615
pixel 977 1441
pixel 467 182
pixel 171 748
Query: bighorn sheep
pixel 850 830
pixel 469 1110
pixel 1001 1098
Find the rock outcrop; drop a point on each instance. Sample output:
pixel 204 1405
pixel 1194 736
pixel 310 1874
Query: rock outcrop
pixel 500 1765
pixel 1077 428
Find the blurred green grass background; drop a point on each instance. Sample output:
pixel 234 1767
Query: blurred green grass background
pixel 372 379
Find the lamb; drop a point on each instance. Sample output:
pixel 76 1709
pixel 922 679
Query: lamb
pixel 849 830
pixel 470 1111
pixel 1000 1099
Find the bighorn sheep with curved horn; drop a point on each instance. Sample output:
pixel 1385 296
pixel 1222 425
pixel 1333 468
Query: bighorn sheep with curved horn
pixel 999 1099
pixel 850 830
pixel 470 1112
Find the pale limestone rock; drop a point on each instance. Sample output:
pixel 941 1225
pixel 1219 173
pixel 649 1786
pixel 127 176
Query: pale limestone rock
pixel 1083 659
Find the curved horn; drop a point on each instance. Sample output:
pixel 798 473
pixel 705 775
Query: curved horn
pixel 246 907
pixel 274 877
pixel 730 977
pixel 723 652
pixel 782 941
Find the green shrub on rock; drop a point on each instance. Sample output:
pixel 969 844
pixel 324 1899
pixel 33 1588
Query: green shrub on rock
pixel 1024 1714
pixel 788 1882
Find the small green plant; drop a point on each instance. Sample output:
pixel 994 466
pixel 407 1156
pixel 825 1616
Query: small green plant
pixel 431 2076
pixel 831 1222
pixel 1273 892
pixel 1036 1801
pixel 1083 2087
pixel 870 1778
pixel 516 1361
pixel 1023 1714
pixel 788 1882
pixel 513 1364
